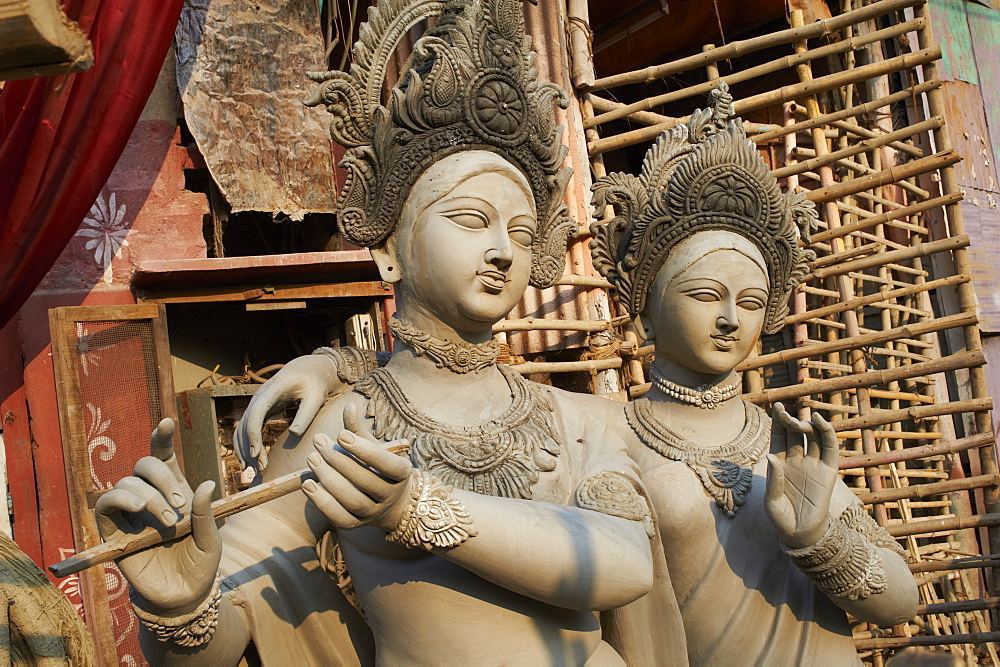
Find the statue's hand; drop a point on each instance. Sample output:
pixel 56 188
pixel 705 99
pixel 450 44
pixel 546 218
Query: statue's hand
pixel 360 482
pixel 310 379
pixel 175 577
pixel 801 474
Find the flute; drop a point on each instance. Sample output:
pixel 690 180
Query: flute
pixel 150 536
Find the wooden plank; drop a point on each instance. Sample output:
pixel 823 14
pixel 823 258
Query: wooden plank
pixel 36 39
pixel 257 293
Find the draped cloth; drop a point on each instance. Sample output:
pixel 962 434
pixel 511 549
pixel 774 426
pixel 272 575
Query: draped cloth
pixel 61 136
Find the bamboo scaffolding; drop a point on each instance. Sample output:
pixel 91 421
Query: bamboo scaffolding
pixel 776 97
pixel 913 453
pixel 922 250
pixel 940 160
pixel 932 640
pixel 864 340
pixel 786 62
pixel 861 109
pixel 870 378
pixel 932 489
pixel 744 47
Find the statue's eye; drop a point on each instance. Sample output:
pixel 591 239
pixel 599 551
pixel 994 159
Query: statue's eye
pixel 751 304
pixel 705 295
pixel 469 219
pixel 521 235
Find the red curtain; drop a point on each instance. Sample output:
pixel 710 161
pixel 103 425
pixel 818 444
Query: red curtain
pixel 60 136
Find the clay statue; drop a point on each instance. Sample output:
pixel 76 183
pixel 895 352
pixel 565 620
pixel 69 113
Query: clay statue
pixel 470 516
pixel 766 546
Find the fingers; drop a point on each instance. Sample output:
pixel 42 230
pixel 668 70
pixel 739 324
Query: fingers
pixel 160 476
pixel 828 443
pixel 161 446
pixel 779 436
pixel 369 483
pixel 250 443
pixel 396 468
pixel 340 488
pixel 309 407
pixel 152 498
pixel 109 509
pixel 793 431
pixel 203 527
pixel 329 506
pixel 775 479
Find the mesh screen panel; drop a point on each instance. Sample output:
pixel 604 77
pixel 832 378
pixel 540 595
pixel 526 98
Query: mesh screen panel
pixel 119 392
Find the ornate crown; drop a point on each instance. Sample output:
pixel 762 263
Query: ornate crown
pixel 701 176
pixel 469 84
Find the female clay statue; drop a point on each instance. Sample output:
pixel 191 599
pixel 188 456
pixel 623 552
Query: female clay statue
pixel 473 517
pixel 766 547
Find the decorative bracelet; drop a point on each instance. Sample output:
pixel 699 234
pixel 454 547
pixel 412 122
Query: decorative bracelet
pixel 433 517
pixel 353 363
pixel 190 630
pixel 843 563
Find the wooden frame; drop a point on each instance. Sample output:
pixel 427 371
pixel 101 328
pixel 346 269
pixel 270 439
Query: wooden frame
pixel 63 327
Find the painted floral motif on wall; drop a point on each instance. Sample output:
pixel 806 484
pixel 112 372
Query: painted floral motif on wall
pixel 106 230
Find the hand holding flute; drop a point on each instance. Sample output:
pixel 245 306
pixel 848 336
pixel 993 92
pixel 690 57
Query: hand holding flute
pixel 173 578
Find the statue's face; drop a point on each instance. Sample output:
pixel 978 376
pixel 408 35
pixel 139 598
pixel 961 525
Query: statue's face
pixel 708 317
pixel 465 255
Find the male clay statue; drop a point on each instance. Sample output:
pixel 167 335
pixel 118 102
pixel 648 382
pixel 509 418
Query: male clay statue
pixel 704 253
pixel 472 517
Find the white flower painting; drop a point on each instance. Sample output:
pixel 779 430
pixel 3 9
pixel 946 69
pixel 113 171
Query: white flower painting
pixel 105 228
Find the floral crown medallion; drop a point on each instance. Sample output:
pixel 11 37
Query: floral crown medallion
pixel 469 84
pixel 705 175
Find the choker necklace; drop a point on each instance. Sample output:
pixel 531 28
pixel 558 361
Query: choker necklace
pixel 501 457
pixel 726 470
pixel 705 396
pixel 456 356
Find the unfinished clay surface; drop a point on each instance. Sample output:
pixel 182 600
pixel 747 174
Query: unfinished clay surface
pixel 470 516
pixel 767 548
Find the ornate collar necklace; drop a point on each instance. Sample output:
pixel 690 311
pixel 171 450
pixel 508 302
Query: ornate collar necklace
pixel 726 471
pixel 705 396
pixel 501 457
pixel 456 356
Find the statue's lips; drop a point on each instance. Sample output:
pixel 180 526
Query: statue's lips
pixel 725 342
pixel 494 281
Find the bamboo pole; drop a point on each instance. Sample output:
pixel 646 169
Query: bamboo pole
pixel 544 324
pixel 764 69
pixel 881 259
pixel 832 117
pixel 926 640
pixel 931 489
pixel 743 47
pixel 869 378
pixel 973 563
pixel 941 525
pixel 940 160
pixel 959 606
pixel 530 367
pixel 150 536
pixel 882 218
pixel 877 141
pixel 777 96
pixel 882 417
pixel 871 299
pixel 913 453
pixel 864 340
pixel 584 281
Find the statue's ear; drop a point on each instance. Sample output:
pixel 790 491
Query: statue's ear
pixel 387 260
pixel 645 331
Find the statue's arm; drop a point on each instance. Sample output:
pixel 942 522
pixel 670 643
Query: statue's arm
pixel 886 594
pixel 565 556
pixel 568 556
pixel 826 530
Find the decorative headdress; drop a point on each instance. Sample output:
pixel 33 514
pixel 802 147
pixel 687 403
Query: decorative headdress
pixel 701 176
pixel 469 84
